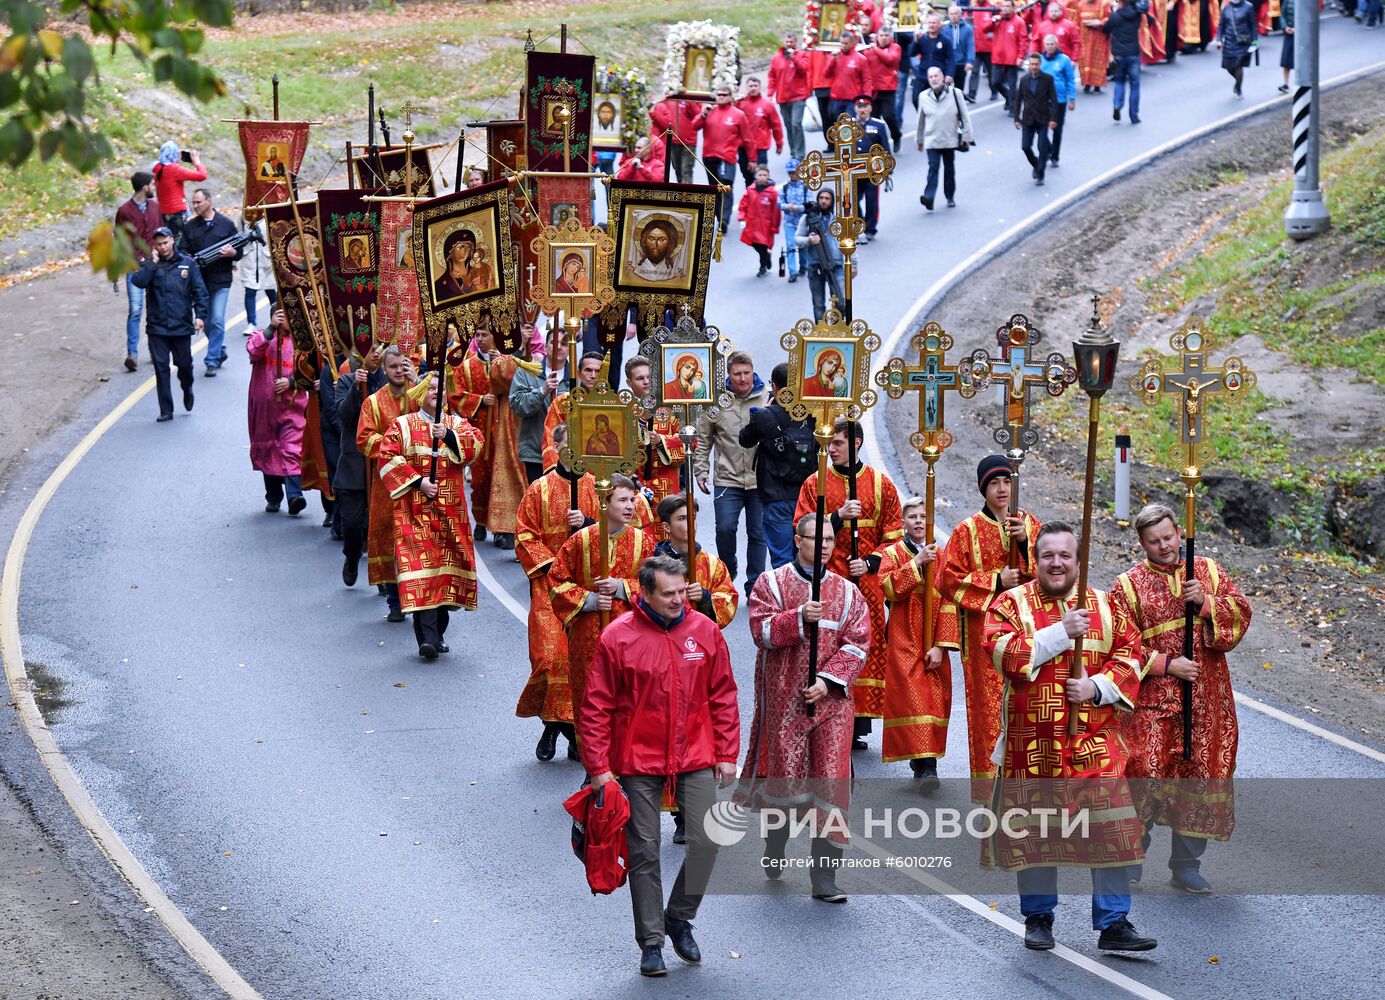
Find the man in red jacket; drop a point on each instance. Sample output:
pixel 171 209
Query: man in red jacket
pixel 789 86
pixel 884 58
pixel 765 126
pixel 645 164
pixel 682 117
pixel 725 131
pixel 1009 46
pixel 661 709
pixel 848 74
pixel 140 217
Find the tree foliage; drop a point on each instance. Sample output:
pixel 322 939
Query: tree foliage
pixel 47 69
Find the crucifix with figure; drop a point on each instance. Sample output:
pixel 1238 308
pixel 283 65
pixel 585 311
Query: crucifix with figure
pixel 932 378
pixel 844 168
pixel 1019 368
pixel 1192 386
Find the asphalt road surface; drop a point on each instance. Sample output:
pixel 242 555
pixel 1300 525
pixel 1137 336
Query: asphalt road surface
pixel 343 821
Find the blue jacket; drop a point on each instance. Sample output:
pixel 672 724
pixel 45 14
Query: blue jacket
pixel 175 295
pixel 963 39
pixel 1064 75
pixel 928 51
pixel 794 194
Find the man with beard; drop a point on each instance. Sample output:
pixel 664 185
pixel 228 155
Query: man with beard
pixel 1192 797
pixel 1030 633
pixel 658 252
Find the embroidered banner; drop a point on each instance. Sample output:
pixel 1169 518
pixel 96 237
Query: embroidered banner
pixel 388 176
pixel 351 243
pixel 295 250
pixel 273 153
pixel 558 103
pixel 397 310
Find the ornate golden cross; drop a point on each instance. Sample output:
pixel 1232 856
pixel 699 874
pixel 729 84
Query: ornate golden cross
pixel 1194 381
pixel 844 168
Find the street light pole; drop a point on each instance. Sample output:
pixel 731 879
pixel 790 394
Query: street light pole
pixel 1307 213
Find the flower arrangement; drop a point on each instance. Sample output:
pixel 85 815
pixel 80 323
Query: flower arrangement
pixel 723 38
pixel 633 87
pixel 857 20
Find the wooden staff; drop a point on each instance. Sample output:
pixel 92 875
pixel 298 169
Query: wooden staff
pixel 1084 549
pixel 439 366
pixel 1191 476
pixel 312 274
pixel 274 83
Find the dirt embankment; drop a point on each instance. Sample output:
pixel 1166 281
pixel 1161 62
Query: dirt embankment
pixel 1315 645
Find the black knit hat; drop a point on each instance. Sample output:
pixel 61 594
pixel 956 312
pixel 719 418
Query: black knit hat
pixel 990 467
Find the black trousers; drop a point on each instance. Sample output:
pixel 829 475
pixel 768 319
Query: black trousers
pixel 1056 143
pixel 430 626
pixel 766 261
pixel 884 104
pixel 982 68
pixel 162 348
pixel 1005 81
pixel 354 508
pixel 823 95
pixel 1028 134
pixel 533 471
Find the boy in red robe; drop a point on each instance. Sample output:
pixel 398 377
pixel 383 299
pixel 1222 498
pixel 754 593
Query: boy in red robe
pixel 378 413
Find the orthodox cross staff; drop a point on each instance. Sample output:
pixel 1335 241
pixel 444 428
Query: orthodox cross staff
pixel 846 393
pixel 438 361
pixel 844 169
pixel 1095 353
pixel 932 378
pixel 1191 385
pixel 671 353
pixel 1018 373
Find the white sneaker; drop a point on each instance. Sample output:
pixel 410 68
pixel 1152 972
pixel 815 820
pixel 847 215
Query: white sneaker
pixel 248 331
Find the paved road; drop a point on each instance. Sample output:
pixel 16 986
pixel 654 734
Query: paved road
pixel 342 821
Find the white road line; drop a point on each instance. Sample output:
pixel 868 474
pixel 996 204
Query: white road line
pixel 488 580
pixel 972 263
pixel 59 768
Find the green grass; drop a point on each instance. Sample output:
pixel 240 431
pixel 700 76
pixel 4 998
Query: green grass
pixel 457 63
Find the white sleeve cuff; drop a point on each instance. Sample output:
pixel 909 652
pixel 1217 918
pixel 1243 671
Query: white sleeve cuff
pixel 1106 691
pixel 1049 642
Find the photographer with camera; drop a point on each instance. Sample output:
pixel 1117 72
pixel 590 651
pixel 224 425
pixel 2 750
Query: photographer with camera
pixel 172 170
pixel 826 271
pixel 206 228
pixel 176 301
pixel 786 453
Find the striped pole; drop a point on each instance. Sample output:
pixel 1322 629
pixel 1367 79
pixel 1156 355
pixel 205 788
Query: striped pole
pixel 1307 213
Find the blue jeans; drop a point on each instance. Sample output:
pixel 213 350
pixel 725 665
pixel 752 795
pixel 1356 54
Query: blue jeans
pixel 1110 893
pixel 728 502
pixel 901 92
pixel 723 171
pixel 1187 851
pixel 792 113
pixel 216 326
pixel 1127 68
pixel 821 286
pixel 794 261
pixel 276 487
pixel 136 296
pixel 777 520
pixel 868 200
pixel 250 295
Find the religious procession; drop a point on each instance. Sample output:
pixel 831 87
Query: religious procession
pixel 679 575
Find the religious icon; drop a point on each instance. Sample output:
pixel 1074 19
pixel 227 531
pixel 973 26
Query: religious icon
pixel 271 166
pixel 461 256
pixel 293 253
pixel 601 432
pixel 552 122
pixel 688 367
pixel 355 253
pixel 654 247
pixel 697 70
pixel 560 212
pixel 571 270
pixel 1232 380
pixel 606 125
pixel 906 14
pixel 404 251
pixel 832 23
pixel 827 369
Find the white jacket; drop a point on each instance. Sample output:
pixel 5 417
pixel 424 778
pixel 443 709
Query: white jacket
pixel 939 115
pixel 254 268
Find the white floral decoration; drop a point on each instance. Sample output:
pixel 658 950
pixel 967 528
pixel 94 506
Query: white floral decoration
pixel 723 38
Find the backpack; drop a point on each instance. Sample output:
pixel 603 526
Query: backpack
pixel 793 452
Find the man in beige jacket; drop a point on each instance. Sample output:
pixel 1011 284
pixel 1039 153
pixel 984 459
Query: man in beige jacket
pixel 944 126
pixel 735 486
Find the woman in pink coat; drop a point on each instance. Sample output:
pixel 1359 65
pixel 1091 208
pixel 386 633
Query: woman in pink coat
pixel 277 415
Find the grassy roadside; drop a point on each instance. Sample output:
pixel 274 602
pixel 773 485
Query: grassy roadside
pixel 457 62
pixel 1317 304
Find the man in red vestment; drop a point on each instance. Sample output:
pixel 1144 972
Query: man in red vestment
pixel 581 593
pixel 497 476
pixel 976 569
pixel 434 558
pixel 545 520
pixel 378 413
pixel 1194 797
pixel 799 765
pixel 918 681
pixel 878 523
pixel 1029 637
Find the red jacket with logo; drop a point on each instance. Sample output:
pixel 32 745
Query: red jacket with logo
pixel 788 76
pixel 683 116
pixel 1011 40
pixel 759 213
pixel 884 66
pixel 848 74
pixel 765 123
pixel 724 131
pixel 659 701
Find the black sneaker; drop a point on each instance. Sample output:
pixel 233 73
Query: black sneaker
pixel 680 832
pixel 296 505
pixel 131 364
pixel 1121 936
pixel 187 400
pixel 427 651
pixel 395 616
pixel 480 533
pixel 209 373
pixel 163 418
pixel 652 961
pixel 1115 114
pixel 1038 932
pixel 350 568
pixel 680 936
pixel 926 202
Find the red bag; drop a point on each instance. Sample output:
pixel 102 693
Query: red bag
pixel 598 835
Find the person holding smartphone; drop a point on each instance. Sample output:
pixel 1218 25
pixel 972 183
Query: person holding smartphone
pixel 176 302
pixel 173 169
